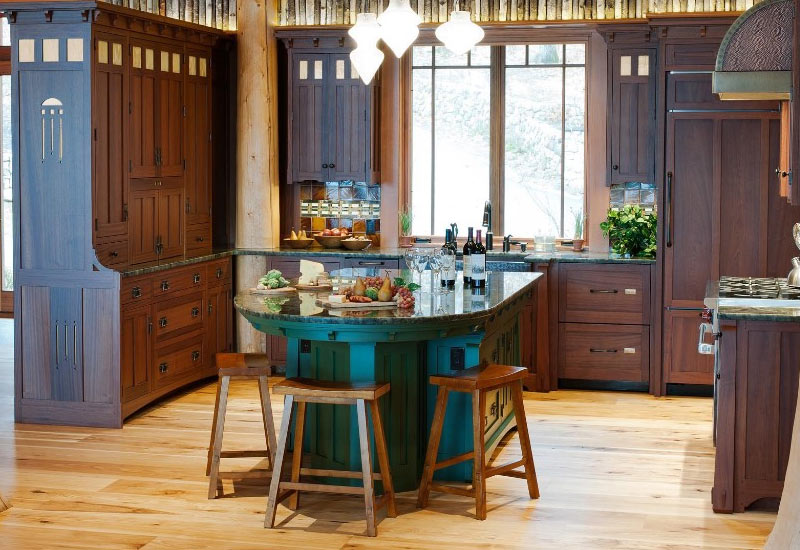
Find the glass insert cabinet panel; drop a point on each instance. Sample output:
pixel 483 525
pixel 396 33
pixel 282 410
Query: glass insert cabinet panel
pixel 541 143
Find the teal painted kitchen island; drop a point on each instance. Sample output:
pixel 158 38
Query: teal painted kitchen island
pixel 442 334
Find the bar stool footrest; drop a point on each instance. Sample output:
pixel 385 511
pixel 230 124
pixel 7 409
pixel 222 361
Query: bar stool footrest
pixel 344 474
pixel 505 469
pixel 251 474
pixel 454 460
pixel 244 454
pixel 322 488
pixel 461 491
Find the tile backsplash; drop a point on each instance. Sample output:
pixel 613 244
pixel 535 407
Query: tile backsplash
pixel 641 194
pixel 354 205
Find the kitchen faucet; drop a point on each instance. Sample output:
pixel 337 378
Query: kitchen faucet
pixel 507 242
pixel 487 223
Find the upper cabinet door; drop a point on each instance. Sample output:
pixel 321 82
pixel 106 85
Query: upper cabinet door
pixel 348 124
pixel 170 111
pixel 197 137
pixel 309 158
pixel 143 234
pixel 110 181
pixel 143 100
pixel 632 116
pixel 170 222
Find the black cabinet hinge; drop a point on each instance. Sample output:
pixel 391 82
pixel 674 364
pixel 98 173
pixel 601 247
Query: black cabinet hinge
pixel 95 134
pixel 130 166
pixel 95 224
pixel 184 165
pixel 125 212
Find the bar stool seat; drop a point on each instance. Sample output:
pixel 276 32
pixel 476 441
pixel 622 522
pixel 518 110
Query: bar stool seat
pixel 239 366
pixel 478 381
pixel 302 391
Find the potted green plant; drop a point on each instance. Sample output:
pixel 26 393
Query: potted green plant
pixel 577 241
pixel 631 231
pixel 406 240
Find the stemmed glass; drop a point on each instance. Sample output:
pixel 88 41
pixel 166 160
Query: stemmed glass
pixel 420 262
pixel 436 268
pixel 408 257
pixel 448 261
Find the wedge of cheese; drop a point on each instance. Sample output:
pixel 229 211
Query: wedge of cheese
pixel 337 298
pixel 309 272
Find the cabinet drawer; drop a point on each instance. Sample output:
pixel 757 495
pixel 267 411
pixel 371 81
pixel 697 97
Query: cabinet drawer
pixel 691 56
pixel 115 253
pixel 179 359
pixel 136 290
pixel 372 262
pixel 198 238
pixel 219 272
pixel 604 352
pixel 172 281
pixel 178 316
pixel 604 293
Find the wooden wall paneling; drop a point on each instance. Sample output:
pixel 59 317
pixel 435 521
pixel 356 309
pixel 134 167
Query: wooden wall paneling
pixel 781 216
pixel 110 143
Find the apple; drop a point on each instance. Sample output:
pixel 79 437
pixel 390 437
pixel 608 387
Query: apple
pixel 327 233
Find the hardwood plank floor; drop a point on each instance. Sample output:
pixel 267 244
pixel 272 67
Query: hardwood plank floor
pixel 616 471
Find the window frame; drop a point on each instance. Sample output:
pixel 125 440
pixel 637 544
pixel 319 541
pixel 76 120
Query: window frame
pixel 497 72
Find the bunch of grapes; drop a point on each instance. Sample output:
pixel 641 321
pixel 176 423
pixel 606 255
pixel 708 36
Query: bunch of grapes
pixel 405 299
pixel 375 282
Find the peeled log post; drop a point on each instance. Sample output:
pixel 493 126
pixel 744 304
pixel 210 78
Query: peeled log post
pixel 786 532
pixel 257 206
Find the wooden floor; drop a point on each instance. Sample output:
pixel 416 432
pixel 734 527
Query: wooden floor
pixel 616 471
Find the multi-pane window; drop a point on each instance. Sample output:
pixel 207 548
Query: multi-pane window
pixel 539 90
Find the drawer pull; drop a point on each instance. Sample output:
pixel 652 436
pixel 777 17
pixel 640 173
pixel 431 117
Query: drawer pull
pixel 629 351
pixel 195 312
pixel 365 263
pixel 136 292
pixel 210 307
pixel 196 278
pixel 164 286
pixel 603 291
pixel 162 322
pixel 195 355
pixel 219 273
pixel 163 367
pixel 597 350
pixel 114 253
pixel 200 239
pixel 630 291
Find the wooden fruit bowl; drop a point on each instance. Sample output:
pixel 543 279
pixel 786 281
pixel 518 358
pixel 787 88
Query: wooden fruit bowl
pixel 298 243
pixel 329 241
pixel 356 244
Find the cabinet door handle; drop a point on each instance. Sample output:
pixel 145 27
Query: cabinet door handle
pixel 163 367
pixel 149 324
pixel 615 167
pixel 196 278
pixel 195 312
pixel 195 355
pixel 668 216
pixel 58 353
pixel 136 292
pixel 597 350
pixel 331 165
pixel 200 239
pixel 210 308
pixel 114 253
pixel 219 273
pixel 324 165
pixel 366 263
pixel 66 343
pixel 164 286
pixel 162 322
pixel 603 291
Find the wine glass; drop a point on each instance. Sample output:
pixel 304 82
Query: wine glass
pixel 448 261
pixel 420 262
pixel 436 268
pixel 408 257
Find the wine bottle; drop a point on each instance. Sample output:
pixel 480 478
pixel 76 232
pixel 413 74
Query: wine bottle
pixel 449 275
pixel 477 263
pixel 468 246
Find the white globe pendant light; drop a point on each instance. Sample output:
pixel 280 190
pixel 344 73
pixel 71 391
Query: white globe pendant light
pixel 459 34
pixel 399 26
pixel 366 58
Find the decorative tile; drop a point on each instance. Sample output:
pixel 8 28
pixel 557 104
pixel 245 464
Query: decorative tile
pixel 318 192
pixel 370 227
pixel 346 193
pixel 359 226
pixel 305 192
pixel 346 222
pixel 376 240
pixel 331 223
pixel 317 224
pixel 360 192
pixel 374 193
pixel 377 225
pixel 305 224
pixel 332 191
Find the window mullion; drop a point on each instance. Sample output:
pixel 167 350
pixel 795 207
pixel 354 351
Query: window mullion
pixel 497 136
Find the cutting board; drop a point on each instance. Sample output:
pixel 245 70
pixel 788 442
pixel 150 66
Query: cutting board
pixel 355 305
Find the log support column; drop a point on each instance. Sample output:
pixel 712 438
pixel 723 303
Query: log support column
pixel 257 204
pixel 786 532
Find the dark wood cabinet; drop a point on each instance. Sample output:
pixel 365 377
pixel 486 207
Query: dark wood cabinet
pixel 156 214
pixel 109 139
pixel 144 87
pixel 220 314
pixel 331 118
pixel 631 125
pixel 135 352
pixel 169 111
pixel 721 209
pixel 197 144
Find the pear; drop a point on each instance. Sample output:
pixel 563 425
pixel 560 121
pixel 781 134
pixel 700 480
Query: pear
pixel 303 234
pixel 359 288
pixel 385 292
pixel 293 236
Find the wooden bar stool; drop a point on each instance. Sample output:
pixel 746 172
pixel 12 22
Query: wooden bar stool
pixel 478 381
pixel 240 366
pixel 304 391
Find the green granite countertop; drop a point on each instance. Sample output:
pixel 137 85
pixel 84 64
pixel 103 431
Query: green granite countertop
pixel 379 254
pixel 766 314
pixel 502 289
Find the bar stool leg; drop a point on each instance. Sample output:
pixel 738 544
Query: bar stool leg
pixel 266 412
pixel 213 425
pixel 213 482
pixel 383 459
pixel 478 427
pixel 525 440
pixel 366 467
pixel 297 453
pixel 280 452
pixel 433 447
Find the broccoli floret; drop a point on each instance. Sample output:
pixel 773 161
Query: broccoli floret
pixel 272 283
pixel 274 274
pixel 283 282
